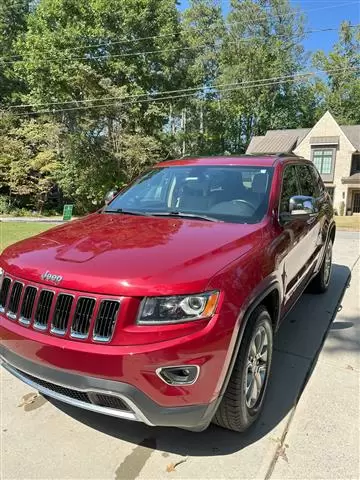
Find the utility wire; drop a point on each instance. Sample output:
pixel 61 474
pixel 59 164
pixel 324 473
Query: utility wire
pixel 107 56
pixel 299 77
pixel 110 43
pixel 200 88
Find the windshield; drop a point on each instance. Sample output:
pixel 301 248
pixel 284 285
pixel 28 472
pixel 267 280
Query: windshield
pixel 237 194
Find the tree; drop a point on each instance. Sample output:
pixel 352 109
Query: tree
pixel 203 32
pixel 13 14
pixel 263 41
pixel 340 92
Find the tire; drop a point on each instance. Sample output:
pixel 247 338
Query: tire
pixel 239 409
pixel 320 283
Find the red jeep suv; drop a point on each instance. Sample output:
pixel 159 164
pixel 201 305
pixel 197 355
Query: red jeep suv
pixel 162 306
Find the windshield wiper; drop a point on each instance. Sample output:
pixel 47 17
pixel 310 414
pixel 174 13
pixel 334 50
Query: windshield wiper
pixel 185 215
pixel 127 212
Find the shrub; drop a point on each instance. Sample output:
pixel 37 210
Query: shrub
pixel 4 204
pixel 342 208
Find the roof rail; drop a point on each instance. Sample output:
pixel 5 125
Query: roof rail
pixel 285 154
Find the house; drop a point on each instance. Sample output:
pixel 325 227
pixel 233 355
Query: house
pixel 334 149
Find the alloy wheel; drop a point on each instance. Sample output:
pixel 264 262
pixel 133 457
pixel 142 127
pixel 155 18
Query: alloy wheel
pixel 257 366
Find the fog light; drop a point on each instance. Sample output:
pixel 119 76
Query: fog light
pixel 180 375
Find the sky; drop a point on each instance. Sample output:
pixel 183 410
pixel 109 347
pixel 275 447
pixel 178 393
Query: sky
pixel 319 14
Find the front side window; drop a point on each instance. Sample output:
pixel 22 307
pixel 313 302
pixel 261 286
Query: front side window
pixel 290 187
pixel 236 194
pixel 330 191
pixel 309 184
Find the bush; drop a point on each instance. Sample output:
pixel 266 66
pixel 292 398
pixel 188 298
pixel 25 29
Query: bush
pixel 342 208
pixel 4 204
pixel 21 212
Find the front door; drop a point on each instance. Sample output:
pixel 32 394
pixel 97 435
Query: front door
pixel 292 241
pixel 356 202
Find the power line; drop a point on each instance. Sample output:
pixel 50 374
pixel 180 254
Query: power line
pixel 199 88
pixel 182 48
pixel 107 44
pixel 239 86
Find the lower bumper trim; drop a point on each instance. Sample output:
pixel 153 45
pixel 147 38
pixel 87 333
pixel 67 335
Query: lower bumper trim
pixel 127 415
pixel 56 384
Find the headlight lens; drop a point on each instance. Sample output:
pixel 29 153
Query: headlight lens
pixel 178 309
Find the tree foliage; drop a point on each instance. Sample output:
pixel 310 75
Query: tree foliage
pixel 94 91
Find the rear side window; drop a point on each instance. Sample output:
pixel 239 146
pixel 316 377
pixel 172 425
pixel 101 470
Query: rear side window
pixel 309 184
pixel 290 187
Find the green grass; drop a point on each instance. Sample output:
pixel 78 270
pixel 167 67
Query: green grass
pixel 348 223
pixel 11 232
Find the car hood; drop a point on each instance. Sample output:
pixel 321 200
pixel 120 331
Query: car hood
pixel 131 255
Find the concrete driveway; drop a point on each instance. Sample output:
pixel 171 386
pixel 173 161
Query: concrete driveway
pixel 47 440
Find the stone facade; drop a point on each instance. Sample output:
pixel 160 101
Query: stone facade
pixel 334 148
pixel 325 127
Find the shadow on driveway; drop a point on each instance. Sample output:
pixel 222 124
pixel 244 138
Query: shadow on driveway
pixel 297 346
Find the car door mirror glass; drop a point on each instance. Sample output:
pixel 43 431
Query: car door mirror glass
pixel 302 205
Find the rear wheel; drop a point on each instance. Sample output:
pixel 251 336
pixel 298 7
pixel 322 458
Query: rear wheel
pixel 244 396
pixel 320 283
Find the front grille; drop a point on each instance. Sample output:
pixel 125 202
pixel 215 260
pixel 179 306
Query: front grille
pixel 27 306
pixel 43 309
pixel 5 287
pixel 108 401
pixel 67 392
pixel 62 313
pixel 14 300
pixel 106 319
pixel 59 313
pixel 100 399
pixel 83 313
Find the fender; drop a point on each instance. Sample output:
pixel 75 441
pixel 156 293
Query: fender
pixel 272 284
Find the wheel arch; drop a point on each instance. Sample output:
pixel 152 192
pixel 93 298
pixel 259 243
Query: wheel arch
pixel 270 297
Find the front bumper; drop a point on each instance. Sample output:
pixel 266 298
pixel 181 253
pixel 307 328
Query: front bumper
pixel 109 397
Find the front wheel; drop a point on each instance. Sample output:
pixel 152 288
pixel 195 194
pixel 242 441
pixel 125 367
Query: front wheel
pixel 244 396
pixel 320 282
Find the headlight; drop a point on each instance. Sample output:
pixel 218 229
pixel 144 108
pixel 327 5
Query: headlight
pixel 162 310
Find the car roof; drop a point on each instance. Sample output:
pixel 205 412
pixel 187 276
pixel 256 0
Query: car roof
pixel 231 160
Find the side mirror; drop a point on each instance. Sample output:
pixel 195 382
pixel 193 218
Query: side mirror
pixel 300 208
pixel 110 196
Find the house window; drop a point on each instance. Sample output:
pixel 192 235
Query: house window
pixel 355 164
pixel 323 160
pixel 330 191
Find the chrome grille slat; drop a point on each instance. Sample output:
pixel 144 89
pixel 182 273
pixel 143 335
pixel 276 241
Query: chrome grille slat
pixel 5 288
pixel 106 320
pixel 57 312
pixel 82 318
pixel 43 309
pixel 14 300
pixel 62 313
pixel 27 306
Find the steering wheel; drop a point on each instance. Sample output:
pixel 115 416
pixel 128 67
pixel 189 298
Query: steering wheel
pixel 246 203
